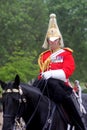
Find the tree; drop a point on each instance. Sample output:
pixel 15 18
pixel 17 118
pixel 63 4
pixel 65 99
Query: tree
pixel 22 24
pixel 22 31
pixel 20 63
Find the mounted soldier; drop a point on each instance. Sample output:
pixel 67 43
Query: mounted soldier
pixel 56 66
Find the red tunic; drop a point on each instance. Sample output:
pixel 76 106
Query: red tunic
pixel 63 59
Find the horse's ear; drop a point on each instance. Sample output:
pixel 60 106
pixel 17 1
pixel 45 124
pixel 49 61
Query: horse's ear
pixel 17 80
pixel 3 84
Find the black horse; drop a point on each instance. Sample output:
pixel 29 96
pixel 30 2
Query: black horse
pixel 38 111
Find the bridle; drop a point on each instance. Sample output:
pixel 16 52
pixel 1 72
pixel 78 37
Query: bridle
pixel 22 100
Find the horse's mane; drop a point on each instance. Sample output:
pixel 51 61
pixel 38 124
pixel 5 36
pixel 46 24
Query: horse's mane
pixel 27 87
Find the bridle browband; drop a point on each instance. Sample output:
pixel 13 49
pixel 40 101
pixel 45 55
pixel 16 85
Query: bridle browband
pixel 14 90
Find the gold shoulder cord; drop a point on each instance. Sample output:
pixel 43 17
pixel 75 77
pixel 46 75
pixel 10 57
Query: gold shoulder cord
pixel 40 61
pixel 43 65
pixel 46 64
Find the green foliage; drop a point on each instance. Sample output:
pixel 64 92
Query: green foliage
pixel 22 29
pixel 23 25
pixel 22 64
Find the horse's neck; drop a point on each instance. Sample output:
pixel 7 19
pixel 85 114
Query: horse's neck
pixel 35 108
pixel 32 93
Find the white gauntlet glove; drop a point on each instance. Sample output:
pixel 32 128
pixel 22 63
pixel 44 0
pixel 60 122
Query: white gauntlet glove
pixel 47 75
pixel 56 74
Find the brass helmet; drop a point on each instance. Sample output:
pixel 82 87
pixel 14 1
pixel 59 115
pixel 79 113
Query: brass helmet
pixel 53 32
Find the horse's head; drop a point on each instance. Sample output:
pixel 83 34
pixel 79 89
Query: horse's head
pixel 11 102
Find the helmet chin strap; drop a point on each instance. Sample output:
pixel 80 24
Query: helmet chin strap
pixel 54 49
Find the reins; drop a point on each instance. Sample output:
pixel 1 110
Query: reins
pixel 50 114
pixel 37 105
pixel 49 119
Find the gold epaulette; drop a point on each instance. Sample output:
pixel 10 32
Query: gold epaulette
pixel 68 49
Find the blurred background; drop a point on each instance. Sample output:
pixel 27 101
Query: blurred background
pixel 23 26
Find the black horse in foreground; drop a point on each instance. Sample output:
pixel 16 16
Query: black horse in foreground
pixel 38 111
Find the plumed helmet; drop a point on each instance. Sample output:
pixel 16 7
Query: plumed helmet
pixel 53 32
